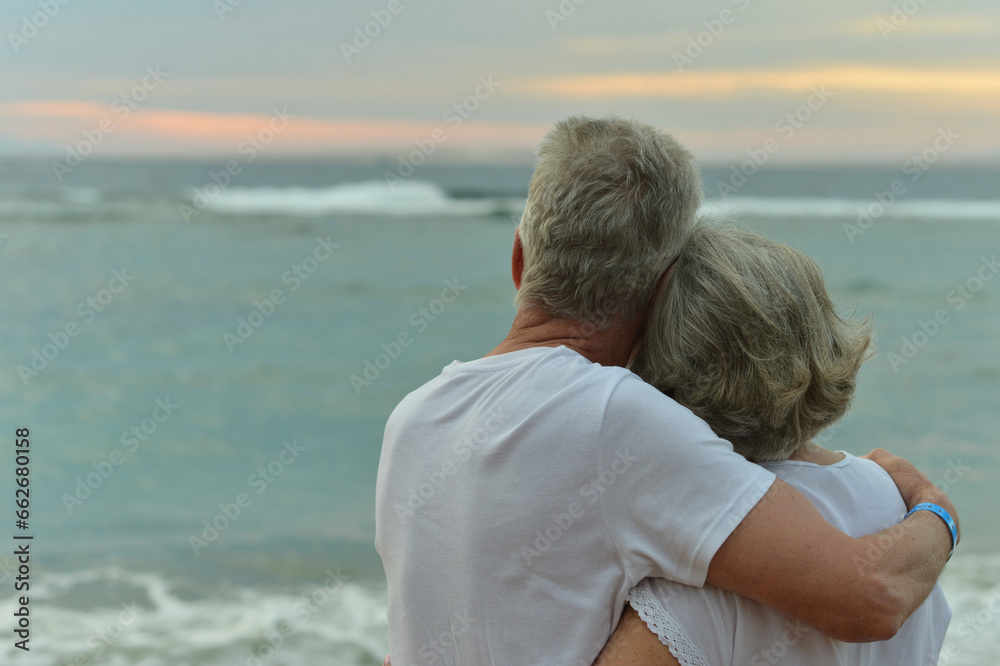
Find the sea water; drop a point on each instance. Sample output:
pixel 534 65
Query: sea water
pixel 204 446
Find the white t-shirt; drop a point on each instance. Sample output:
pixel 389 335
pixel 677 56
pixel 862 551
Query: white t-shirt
pixel 521 496
pixel 713 627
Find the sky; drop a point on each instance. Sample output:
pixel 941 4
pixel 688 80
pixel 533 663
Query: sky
pixel 810 81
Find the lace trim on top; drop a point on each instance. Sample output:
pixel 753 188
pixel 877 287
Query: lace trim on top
pixel 663 624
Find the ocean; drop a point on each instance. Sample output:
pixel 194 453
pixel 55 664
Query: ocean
pixel 205 362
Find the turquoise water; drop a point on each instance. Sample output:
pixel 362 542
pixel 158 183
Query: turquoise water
pixel 152 521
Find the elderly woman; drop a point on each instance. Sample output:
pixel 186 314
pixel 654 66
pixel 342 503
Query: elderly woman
pixel 746 337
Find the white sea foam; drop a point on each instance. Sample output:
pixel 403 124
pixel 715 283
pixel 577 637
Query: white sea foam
pixel 345 625
pixel 972 585
pixel 916 209
pixel 81 195
pixel 332 621
pixel 373 197
pixel 425 199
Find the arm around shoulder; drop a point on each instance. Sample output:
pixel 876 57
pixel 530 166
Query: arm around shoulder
pixel 787 556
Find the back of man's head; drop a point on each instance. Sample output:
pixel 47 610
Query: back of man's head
pixel 609 206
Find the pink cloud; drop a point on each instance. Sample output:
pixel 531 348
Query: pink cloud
pixel 162 130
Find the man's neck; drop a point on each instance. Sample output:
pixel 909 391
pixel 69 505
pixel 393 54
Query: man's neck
pixel 533 328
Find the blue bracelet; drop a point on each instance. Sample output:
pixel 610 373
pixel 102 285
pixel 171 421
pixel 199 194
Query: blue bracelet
pixel 945 516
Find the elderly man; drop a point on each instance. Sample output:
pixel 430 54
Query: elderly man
pixel 521 495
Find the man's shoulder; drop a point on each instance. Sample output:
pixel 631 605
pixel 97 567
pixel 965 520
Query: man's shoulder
pixel 543 369
pixel 559 379
pixel 633 400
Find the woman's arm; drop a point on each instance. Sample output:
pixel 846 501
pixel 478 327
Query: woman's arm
pixel 633 644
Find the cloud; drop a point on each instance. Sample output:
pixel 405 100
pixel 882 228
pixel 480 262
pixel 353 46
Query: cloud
pixel 55 122
pixel 723 83
pixel 922 26
pixel 53 108
pixel 611 46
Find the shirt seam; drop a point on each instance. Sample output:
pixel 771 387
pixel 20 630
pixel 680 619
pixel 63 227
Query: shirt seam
pixel 464 366
pixel 752 493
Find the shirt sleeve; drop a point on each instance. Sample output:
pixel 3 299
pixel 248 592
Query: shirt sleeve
pixel 671 491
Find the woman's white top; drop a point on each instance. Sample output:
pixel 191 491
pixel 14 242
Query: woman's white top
pixel 712 627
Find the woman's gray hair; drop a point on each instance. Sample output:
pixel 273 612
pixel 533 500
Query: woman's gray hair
pixel 745 335
pixel 609 205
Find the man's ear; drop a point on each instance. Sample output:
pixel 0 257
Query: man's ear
pixel 517 260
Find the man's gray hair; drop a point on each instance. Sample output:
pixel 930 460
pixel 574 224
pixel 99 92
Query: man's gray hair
pixel 609 205
pixel 745 335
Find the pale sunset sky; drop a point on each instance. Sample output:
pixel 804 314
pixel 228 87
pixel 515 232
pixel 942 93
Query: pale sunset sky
pixel 828 81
